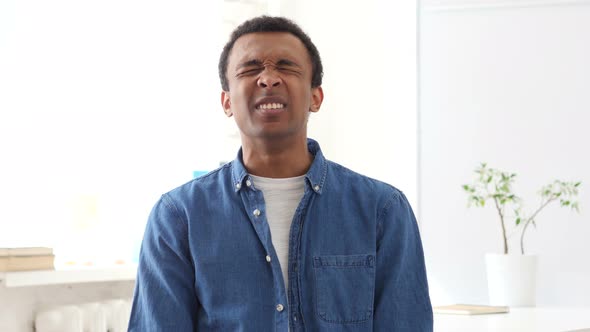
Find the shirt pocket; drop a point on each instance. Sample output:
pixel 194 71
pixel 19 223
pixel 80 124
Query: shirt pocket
pixel 345 286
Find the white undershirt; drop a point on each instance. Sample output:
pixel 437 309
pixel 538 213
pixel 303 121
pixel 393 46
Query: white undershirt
pixel 282 196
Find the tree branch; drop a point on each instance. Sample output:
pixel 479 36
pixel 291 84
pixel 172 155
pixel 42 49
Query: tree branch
pixel 502 224
pixel 530 219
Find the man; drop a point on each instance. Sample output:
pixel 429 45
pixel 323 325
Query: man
pixel 280 238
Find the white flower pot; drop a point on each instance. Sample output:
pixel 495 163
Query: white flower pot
pixel 512 279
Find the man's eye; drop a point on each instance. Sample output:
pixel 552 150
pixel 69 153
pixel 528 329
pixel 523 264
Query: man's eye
pixel 250 71
pixel 287 69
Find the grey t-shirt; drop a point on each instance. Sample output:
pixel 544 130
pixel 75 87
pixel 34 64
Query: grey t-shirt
pixel 282 196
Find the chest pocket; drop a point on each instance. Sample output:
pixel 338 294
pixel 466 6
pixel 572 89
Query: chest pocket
pixel 345 287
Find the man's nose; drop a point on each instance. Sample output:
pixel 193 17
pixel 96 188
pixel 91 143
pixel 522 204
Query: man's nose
pixel 269 78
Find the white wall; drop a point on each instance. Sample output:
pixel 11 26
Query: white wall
pixel 509 85
pixel 114 100
pixel 368 119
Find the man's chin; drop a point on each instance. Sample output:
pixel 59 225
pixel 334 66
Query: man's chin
pixel 273 134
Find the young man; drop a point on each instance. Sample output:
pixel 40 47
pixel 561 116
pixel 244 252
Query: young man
pixel 280 238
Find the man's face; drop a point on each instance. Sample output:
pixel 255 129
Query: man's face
pixel 270 93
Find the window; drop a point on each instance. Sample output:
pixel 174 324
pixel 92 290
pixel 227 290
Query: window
pixel 103 107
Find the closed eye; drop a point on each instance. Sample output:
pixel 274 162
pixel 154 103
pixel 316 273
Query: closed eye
pixel 288 66
pixel 248 72
pixel 289 70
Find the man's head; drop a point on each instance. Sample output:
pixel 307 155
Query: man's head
pixel 271 24
pixel 271 74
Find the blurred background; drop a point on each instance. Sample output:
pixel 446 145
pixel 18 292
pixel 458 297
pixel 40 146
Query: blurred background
pixel 106 105
pixel 507 83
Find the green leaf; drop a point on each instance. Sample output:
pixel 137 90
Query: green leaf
pixel 517 221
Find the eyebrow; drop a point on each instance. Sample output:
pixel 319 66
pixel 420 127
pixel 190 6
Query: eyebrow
pixel 285 62
pixel 250 63
pixel 258 63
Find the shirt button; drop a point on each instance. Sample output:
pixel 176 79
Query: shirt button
pixel 295 318
pixel 256 213
pixel 248 183
pixel 280 307
pixel 238 185
pixel 268 258
pixel 316 188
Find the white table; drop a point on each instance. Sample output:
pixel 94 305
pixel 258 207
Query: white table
pixel 557 319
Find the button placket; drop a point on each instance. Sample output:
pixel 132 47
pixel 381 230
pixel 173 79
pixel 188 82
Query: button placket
pixel 296 229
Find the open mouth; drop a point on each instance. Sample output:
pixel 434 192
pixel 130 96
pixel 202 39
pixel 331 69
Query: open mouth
pixel 270 106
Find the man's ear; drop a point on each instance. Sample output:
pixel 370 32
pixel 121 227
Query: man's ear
pixel 317 96
pixel 226 103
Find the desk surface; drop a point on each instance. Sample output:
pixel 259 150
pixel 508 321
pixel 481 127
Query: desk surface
pixel 556 319
pixel 68 276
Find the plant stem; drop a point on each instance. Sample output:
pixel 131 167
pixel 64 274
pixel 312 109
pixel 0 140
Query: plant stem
pixel 529 220
pixel 503 226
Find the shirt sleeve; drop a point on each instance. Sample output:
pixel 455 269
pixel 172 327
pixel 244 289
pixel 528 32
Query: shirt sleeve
pixel 164 297
pixel 402 301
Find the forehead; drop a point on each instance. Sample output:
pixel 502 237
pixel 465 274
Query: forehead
pixel 268 46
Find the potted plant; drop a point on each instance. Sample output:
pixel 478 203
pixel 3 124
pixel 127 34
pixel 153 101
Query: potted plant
pixel 512 277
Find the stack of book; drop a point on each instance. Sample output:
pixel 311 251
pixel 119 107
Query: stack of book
pixel 26 259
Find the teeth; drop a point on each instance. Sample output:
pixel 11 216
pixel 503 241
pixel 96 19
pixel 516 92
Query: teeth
pixel 271 106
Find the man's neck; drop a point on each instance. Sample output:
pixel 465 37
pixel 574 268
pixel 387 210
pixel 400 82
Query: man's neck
pixel 276 160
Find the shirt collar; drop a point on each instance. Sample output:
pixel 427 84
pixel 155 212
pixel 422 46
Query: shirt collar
pixel 316 175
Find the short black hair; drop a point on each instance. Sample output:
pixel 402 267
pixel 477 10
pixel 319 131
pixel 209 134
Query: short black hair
pixel 271 24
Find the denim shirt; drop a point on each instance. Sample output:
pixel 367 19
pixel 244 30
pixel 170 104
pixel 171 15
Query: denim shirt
pixel 356 263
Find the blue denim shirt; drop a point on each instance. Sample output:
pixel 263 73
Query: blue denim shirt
pixel 356 263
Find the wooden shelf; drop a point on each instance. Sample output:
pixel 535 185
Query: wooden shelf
pixel 68 276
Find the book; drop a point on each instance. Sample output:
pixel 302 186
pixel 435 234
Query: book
pixel 26 251
pixel 26 263
pixel 470 309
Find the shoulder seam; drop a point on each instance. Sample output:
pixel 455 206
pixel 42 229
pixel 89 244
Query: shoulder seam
pixel 167 200
pixel 363 176
pixel 396 194
pixel 182 222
